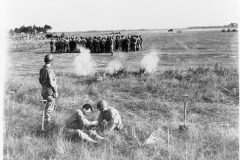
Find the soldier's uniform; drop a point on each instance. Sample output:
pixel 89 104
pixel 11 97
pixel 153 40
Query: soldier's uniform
pixel 102 45
pixel 123 44
pixel 141 42
pixel 94 44
pixel 51 45
pixel 87 44
pixel 83 42
pixel 79 125
pixel 62 46
pixel 107 45
pixel 49 87
pixel 113 118
pixel 116 44
pixel 128 41
pixel 120 43
pixel 133 44
pixel 57 46
pixel 111 45
pixel 67 45
pixel 97 45
pixel 71 45
pixel 91 45
pixel 138 43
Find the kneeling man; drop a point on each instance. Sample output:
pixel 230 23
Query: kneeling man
pixel 79 125
pixel 110 115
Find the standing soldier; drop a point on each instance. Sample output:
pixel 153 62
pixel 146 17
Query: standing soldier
pixel 49 87
pixel 57 46
pixel 84 42
pixel 70 45
pixel 116 44
pixel 67 45
pixel 127 41
pixel 133 44
pixel 107 44
pixel 141 42
pixel 91 45
pixel 62 45
pixel 98 45
pixel 138 43
pixel 111 46
pixel 75 42
pixel 94 44
pixel 120 43
pixel 123 44
pixel 51 45
pixel 102 44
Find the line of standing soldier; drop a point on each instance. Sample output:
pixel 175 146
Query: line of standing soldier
pixel 100 44
pixel 111 43
pixel 64 45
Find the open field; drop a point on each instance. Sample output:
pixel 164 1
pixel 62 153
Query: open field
pixel 147 103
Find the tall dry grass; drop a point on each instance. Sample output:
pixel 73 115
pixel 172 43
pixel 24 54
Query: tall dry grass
pixel 152 110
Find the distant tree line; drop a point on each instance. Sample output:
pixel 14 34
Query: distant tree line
pixel 231 25
pixel 30 30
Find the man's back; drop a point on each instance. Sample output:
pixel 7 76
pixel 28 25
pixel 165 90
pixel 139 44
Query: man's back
pixel 45 74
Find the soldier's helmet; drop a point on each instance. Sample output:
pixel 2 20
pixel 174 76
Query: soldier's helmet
pixel 48 58
pixel 101 104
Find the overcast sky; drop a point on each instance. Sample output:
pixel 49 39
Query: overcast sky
pixel 81 15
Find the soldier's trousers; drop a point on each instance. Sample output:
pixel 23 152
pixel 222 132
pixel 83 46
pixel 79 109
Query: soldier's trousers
pixel 91 49
pixel 57 49
pixel 102 49
pixel 120 48
pixel 106 49
pixel 83 134
pixel 51 48
pixel 47 94
pixel 97 49
pixel 117 48
pixel 137 47
pixel 127 48
pixel 67 48
pixel 133 47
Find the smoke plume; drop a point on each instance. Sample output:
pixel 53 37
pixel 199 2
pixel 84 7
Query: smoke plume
pixel 113 66
pixel 150 62
pixel 83 63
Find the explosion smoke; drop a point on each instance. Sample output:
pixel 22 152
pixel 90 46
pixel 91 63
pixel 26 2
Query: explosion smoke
pixel 83 63
pixel 150 62
pixel 113 66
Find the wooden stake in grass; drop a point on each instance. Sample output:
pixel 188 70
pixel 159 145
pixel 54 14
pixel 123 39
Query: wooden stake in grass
pixel 43 113
pixel 184 126
pixel 169 150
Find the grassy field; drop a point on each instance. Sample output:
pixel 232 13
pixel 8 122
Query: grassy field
pixel 202 64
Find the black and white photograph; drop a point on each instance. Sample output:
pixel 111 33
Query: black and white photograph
pixel 119 79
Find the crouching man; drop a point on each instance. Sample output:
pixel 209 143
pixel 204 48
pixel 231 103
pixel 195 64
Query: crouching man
pixel 79 125
pixel 110 115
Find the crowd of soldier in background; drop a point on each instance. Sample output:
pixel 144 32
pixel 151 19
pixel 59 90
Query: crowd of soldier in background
pixel 99 44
